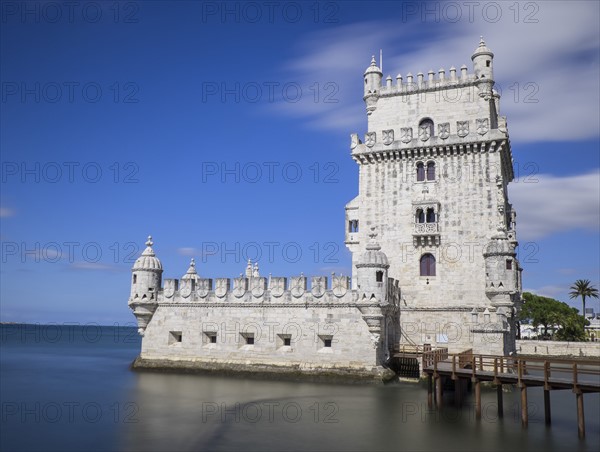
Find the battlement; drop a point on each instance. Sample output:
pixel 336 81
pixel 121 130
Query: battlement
pixel 434 81
pixel 272 290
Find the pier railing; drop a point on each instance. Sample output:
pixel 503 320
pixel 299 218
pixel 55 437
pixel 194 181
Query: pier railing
pixel 579 375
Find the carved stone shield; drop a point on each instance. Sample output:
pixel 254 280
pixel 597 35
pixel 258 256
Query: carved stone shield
pixel 222 287
pixel 424 132
pixel 483 126
pixel 204 286
pixel 170 287
pixel 462 128
pixel 298 286
pixel 370 139
pixel 339 285
pixel 259 285
pixel 388 137
pixel 444 130
pixel 240 286
pixel 354 140
pixel 318 286
pixel 406 134
pixel 277 286
pixel 186 287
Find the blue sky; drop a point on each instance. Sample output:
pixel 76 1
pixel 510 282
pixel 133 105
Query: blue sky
pixel 222 129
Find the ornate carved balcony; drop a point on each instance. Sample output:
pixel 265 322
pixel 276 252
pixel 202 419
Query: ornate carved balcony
pixel 426 234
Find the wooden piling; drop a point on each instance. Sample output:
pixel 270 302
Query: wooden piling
pixel 524 414
pixel 438 391
pixel 429 390
pixel 477 399
pixel 580 415
pixel 547 413
pixel 500 400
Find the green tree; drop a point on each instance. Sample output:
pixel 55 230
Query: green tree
pixel 583 288
pixel 548 312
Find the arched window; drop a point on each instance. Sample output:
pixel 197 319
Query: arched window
pixel 427 265
pixel 430 170
pixel 420 217
pixel 379 276
pixel 430 215
pixel 420 172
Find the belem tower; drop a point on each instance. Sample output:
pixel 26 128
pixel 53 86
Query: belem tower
pixel 433 242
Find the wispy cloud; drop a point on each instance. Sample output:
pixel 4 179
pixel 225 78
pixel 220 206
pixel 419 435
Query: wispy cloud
pixel 557 204
pixel 558 55
pixel 94 266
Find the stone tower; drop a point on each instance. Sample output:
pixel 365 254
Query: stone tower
pixel 433 174
pixel 146 282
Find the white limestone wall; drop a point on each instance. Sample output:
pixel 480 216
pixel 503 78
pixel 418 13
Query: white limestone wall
pixel 451 104
pixel 558 348
pixel 352 345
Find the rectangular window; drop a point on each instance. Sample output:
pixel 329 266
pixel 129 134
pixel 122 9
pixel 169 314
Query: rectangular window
pixel 213 339
pixel 250 340
pixel 175 337
pixel 326 342
pixel 287 341
pixel 509 264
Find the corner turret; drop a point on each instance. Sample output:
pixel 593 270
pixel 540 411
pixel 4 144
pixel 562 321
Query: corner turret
pixel 483 60
pixel 145 284
pixel 371 271
pixel 373 77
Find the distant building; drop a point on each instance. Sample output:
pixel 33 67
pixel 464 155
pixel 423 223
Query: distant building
pixel 432 236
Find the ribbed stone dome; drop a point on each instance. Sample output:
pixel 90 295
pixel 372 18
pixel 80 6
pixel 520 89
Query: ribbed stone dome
pixel 373 68
pixel 191 273
pixel 373 256
pixel 482 49
pixel 148 260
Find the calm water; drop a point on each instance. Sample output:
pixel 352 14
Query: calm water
pixel 70 388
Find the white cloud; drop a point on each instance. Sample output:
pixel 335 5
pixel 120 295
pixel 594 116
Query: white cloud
pixel 93 266
pixel 188 251
pixel 555 204
pixel 558 54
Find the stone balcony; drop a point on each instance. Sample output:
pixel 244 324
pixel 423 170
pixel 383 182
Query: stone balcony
pixel 426 234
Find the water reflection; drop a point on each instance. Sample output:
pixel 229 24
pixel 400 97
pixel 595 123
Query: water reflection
pixel 196 412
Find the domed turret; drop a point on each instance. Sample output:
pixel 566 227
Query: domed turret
pixel 145 284
pixel 191 273
pixel 371 271
pixel 373 77
pixel 483 59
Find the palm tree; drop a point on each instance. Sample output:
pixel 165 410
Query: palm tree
pixel 583 288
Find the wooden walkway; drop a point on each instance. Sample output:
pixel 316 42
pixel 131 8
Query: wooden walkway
pixel 580 376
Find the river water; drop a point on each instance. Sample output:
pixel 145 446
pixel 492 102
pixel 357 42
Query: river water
pixel 69 388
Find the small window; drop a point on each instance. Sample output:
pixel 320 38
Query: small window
pixel 175 337
pixel 250 340
pixel 134 279
pixel 431 171
pixel 427 265
pixel 326 341
pixel 420 217
pixel 509 264
pixel 210 337
pixel 420 172
pixel 488 63
pixel 353 226
pixel 287 341
pixel 430 216
pixel 379 276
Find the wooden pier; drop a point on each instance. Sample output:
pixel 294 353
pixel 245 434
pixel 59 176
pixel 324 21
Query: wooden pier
pixel 581 376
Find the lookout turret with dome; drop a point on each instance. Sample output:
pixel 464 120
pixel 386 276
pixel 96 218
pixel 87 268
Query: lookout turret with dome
pixel 146 281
